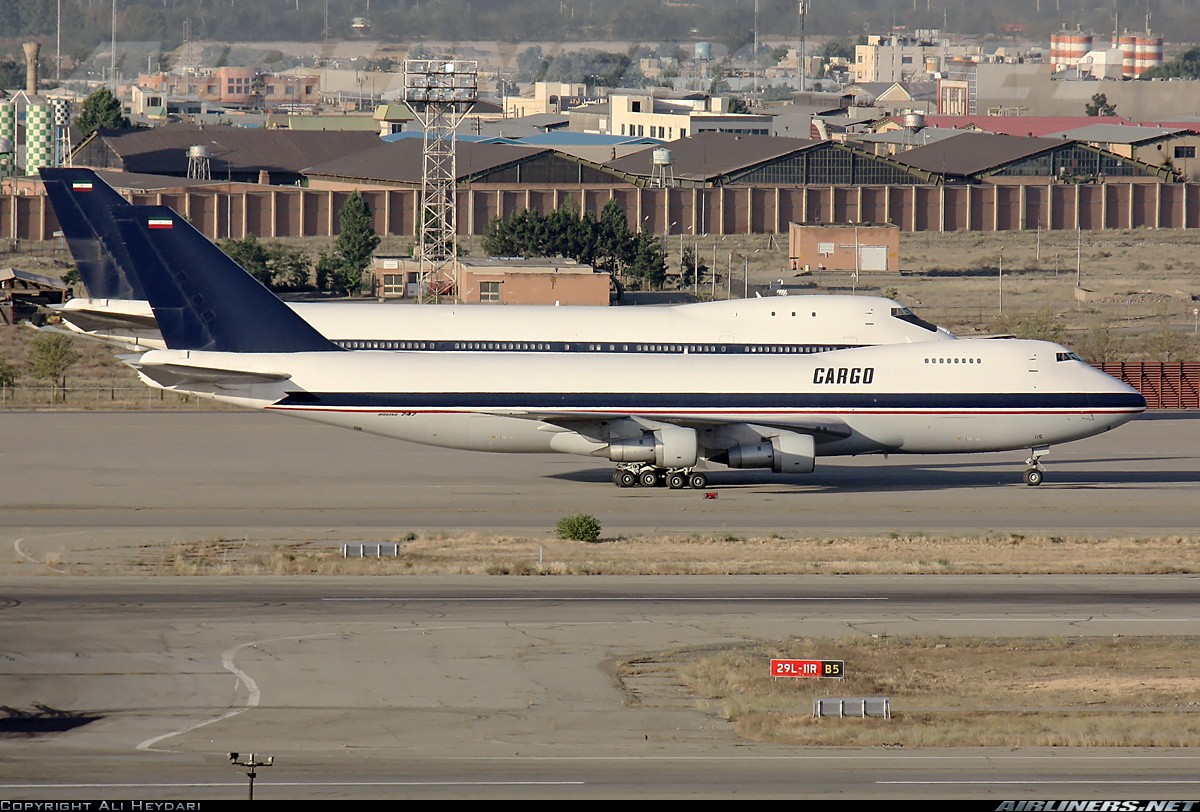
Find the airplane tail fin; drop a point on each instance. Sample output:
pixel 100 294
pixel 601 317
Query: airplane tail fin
pixel 202 299
pixel 84 206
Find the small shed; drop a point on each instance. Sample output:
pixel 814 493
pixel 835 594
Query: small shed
pixel 501 280
pixel 861 247
pixel 22 293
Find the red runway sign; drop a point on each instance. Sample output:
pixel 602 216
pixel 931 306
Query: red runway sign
pixel 808 668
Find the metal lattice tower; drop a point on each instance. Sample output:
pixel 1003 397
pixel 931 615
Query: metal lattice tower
pixel 440 92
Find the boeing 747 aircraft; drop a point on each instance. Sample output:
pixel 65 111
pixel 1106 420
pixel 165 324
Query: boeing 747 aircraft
pixel 657 417
pixel 116 309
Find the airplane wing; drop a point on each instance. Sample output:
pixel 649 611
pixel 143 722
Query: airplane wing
pixel 598 426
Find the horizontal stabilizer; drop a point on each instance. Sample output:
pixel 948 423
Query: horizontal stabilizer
pixel 171 375
pixel 91 320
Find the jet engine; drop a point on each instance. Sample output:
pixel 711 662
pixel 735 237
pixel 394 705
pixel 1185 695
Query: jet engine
pixel 785 453
pixel 666 447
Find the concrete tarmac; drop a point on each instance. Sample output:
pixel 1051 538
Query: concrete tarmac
pixel 507 687
pixel 91 478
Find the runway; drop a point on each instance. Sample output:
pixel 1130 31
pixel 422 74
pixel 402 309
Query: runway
pixel 88 477
pixel 506 687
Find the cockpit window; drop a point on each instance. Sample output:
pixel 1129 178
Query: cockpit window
pixel 904 314
pixel 1067 356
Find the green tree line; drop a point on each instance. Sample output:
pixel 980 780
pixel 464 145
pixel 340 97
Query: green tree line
pixel 637 259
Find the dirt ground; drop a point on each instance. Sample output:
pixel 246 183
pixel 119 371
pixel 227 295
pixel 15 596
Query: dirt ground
pixel 963 692
pixel 651 554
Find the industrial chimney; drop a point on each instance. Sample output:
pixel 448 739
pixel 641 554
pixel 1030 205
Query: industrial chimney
pixel 31 67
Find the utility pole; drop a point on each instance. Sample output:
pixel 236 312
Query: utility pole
pixel 112 68
pixel 803 9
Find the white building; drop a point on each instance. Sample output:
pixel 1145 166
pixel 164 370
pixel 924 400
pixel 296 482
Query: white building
pixel 905 59
pixel 645 115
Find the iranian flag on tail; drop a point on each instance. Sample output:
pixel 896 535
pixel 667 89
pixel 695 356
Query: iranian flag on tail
pixel 81 186
pixel 160 222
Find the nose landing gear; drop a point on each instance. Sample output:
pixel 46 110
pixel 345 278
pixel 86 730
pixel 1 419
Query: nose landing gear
pixel 1034 473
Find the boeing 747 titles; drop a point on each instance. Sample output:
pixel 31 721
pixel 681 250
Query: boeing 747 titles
pixel 657 417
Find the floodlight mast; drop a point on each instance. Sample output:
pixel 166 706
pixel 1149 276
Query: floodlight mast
pixel 440 93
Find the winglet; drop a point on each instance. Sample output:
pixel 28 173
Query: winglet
pixel 84 206
pixel 202 299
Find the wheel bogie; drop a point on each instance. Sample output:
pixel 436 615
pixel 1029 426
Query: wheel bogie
pixel 648 478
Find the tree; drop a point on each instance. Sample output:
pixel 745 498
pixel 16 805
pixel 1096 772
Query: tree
pixel 691 267
pixel 614 241
pixel 1099 106
pixel 51 355
pixel 273 264
pixel 649 263
pixel 1165 344
pixel 343 270
pixel 1101 344
pixel 8 375
pixel 738 105
pixel 251 254
pixel 101 111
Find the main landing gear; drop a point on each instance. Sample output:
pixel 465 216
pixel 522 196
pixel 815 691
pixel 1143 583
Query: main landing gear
pixel 629 475
pixel 1034 473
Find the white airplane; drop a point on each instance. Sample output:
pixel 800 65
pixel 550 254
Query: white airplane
pixel 118 312
pixel 231 340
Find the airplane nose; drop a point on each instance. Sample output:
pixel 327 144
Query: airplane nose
pixel 1124 402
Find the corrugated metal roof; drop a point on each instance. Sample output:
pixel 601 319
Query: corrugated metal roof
pixel 973 152
pixel 401 161
pixel 32 278
pixel 1035 126
pixel 1117 134
pixel 163 151
pixel 712 154
pixel 578 139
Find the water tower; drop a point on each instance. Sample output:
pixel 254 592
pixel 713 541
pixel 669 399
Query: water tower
pixel 199 163
pixel 662 173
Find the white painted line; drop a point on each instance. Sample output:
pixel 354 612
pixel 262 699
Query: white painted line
pixel 1068 781
pixel 252 699
pixel 567 599
pixel 262 783
pixel 22 554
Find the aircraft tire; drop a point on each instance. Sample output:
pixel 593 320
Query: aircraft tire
pixel 676 481
pixel 625 479
pixel 648 478
pixel 697 481
pixel 1033 476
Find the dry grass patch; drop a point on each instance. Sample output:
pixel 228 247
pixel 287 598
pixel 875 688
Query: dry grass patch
pixel 953 692
pixel 436 553
pixel 698 554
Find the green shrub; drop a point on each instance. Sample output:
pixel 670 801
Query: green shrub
pixel 583 527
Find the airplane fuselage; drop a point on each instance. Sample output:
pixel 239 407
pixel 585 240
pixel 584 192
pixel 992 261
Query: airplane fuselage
pixel 939 397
